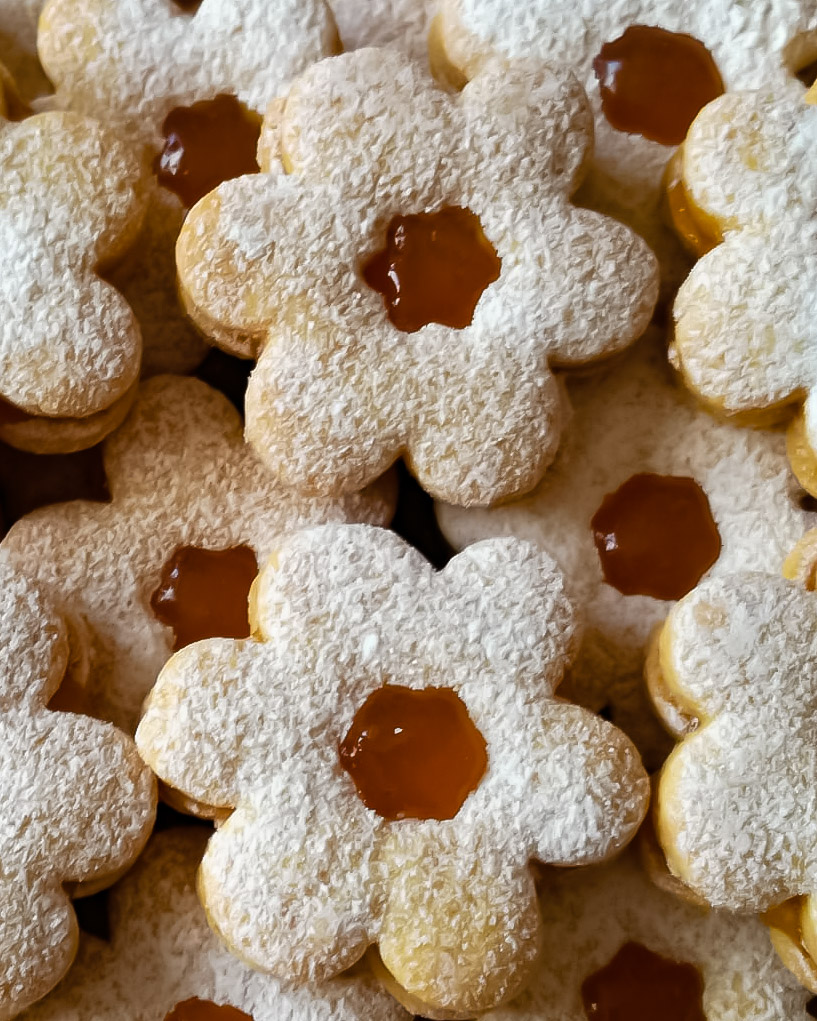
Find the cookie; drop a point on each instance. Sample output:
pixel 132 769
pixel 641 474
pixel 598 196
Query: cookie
pixel 163 962
pixel 77 801
pixel 738 655
pixel 355 637
pixel 466 202
pixel 183 485
pixel 160 73
pixel 71 205
pixel 647 65
pixel 403 24
pixel 648 494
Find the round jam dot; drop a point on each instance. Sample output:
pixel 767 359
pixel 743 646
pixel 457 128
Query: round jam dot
pixel 205 1010
pixel 654 82
pixel 207 143
pixel 638 985
pixel 433 269
pixel 203 593
pixel 656 536
pixel 414 754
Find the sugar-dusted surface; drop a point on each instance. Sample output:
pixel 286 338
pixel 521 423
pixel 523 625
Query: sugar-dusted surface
pixel 734 801
pixel 76 801
pixel 162 952
pixel 179 474
pixel 270 264
pixel 400 23
pixel 302 877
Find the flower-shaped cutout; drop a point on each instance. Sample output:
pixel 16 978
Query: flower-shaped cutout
pixel 76 801
pixel 749 42
pixel 303 877
pixel 181 478
pixel 627 423
pixel 274 265
pixel 738 655
pixel 131 63
pixel 162 954
pixel 71 203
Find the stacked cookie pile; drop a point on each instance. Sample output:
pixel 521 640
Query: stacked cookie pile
pixel 278 743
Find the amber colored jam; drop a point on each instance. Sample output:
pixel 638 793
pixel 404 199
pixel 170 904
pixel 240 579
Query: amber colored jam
pixel 414 754
pixel 638 985
pixel 433 269
pixel 203 593
pixel 654 82
pixel 697 236
pixel 188 6
pixel 808 74
pixel 205 1010
pixel 207 143
pixel 656 536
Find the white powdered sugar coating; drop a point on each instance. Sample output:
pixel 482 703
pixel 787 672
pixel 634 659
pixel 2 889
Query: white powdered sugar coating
pixel 591 913
pixel 634 418
pixel 746 317
pixel 162 953
pixel 400 23
pixel 272 264
pixel 303 877
pixel 71 201
pixel 734 800
pixel 76 802
pixel 751 41
pixel 180 475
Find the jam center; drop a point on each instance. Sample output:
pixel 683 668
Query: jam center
pixel 205 1010
pixel 203 593
pixel 698 235
pixel 656 536
pixel 207 143
pixel 654 82
pixel 433 269
pixel 638 985
pixel 414 754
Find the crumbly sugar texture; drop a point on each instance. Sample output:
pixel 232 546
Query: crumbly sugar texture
pixel 634 418
pixel 751 42
pixel 76 801
pixel 745 334
pixel 590 914
pixel 129 63
pixel 180 475
pixel 72 198
pixel 303 877
pixel 403 24
pixel 740 654
pixel 163 953
pixel 270 265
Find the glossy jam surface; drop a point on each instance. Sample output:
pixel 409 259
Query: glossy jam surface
pixel 203 593
pixel 205 1010
pixel 654 82
pixel 188 6
pixel 656 536
pixel 207 143
pixel 433 269
pixel 638 985
pixel 698 236
pixel 414 754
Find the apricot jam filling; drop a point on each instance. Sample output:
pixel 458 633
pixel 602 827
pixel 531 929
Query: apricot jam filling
pixel 698 232
pixel 655 536
pixel 205 1010
pixel 204 593
pixel 434 269
pixel 638 985
pixel 654 82
pixel 414 754
pixel 211 141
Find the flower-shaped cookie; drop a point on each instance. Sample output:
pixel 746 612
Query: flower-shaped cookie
pixel 180 476
pixel 745 337
pixel 278 266
pixel 76 802
pixel 131 63
pixel 163 954
pixel 735 799
pixel 71 203
pixel 762 40
pixel 400 23
pixel 421 845
pixel 632 427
